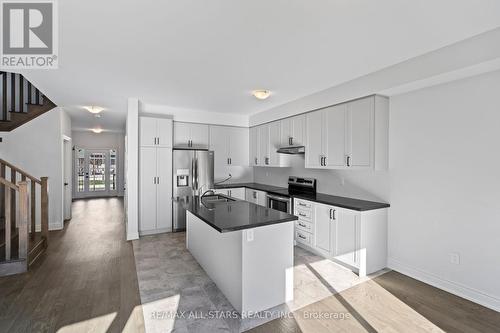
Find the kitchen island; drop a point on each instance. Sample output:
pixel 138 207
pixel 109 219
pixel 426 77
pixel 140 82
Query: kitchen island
pixel 246 249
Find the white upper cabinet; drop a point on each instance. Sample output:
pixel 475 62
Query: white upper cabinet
pixel 334 136
pixel 265 140
pixel 352 135
pixel 238 146
pixel 219 144
pixel 190 135
pixel 293 131
pixel 155 132
pixel 182 134
pixel 254 154
pixel 360 140
pixel 199 135
pixel 230 145
pixel 274 143
pixel 264 145
pixel 148 132
pixel 314 155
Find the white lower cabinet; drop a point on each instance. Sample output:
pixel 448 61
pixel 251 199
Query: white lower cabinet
pixel 323 223
pixel 155 206
pixel 355 239
pixel 255 196
pixel 237 192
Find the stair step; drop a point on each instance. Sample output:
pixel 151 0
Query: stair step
pixel 12 267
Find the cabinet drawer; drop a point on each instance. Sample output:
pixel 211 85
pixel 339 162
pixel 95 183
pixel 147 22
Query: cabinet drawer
pixel 304 226
pixel 304 205
pixel 304 214
pixel 303 237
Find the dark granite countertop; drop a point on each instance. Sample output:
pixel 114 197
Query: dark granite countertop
pixel 343 202
pixel 233 215
pixel 254 186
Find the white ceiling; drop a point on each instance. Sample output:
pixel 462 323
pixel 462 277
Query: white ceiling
pixel 209 55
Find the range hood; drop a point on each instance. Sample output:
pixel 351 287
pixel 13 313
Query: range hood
pixel 293 150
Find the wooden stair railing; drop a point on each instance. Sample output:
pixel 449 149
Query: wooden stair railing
pixel 26 226
pixel 20 101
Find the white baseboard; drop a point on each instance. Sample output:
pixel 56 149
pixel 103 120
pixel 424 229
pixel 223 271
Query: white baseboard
pixel 132 236
pixel 154 231
pixel 455 288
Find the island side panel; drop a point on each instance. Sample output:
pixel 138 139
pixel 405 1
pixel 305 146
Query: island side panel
pixel 267 266
pixel 219 254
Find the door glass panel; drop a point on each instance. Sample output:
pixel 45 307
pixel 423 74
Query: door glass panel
pixel 97 172
pixel 112 170
pixel 80 170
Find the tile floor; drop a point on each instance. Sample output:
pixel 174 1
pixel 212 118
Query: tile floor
pixel 177 295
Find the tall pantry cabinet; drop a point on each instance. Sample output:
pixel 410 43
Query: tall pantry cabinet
pixel 155 175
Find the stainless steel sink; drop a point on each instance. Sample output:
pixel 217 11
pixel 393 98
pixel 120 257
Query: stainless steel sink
pixel 216 198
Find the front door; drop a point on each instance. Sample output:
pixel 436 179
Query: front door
pixel 95 172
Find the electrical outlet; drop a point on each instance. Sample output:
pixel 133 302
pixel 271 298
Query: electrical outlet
pixel 249 235
pixel 455 258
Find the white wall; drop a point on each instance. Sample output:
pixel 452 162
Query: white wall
pixel 367 185
pixel 132 169
pixel 196 116
pixel 445 188
pixel 36 147
pixel 104 140
pixel 469 57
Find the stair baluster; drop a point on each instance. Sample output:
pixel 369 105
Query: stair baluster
pixel 18 261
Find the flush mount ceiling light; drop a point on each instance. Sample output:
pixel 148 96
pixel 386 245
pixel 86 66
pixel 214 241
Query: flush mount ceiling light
pixel 94 109
pixel 261 94
pixel 97 130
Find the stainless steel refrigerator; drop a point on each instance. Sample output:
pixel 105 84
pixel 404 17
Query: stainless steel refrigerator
pixel 193 174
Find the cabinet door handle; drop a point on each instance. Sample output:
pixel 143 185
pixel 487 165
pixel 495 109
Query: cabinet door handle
pixel 158 180
pixel 154 180
pixel 302 225
pixel 303 215
pixel 256 161
pixel 291 141
pixel 348 160
pixel 302 204
pixel 333 214
pixel 227 161
pixel 324 161
pixel 330 214
pixel 300 236
pixel 230 161
pixel 158 141
pixel 254 195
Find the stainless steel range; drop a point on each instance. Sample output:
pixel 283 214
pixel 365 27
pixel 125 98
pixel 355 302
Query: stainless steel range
pixel 282 199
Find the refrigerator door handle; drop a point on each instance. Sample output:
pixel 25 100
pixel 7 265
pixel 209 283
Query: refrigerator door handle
pixel 192 174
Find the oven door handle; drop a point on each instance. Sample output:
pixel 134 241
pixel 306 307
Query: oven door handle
pixel 274 197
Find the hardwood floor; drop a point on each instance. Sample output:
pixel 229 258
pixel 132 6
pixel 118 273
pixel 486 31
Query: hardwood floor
pixel 86 281
pixel 391 302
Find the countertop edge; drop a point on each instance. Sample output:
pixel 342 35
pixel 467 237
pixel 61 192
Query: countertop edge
pixel 224 230
pixel 377 205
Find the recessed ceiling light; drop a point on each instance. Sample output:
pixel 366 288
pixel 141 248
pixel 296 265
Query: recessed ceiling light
pixel 97 130
pixel 261 94
pixel 94 109
pixel 97 115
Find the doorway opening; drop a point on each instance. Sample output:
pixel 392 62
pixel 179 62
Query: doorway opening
pixel 96 173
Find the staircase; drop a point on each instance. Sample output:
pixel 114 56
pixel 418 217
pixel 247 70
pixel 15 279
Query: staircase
pixel 20 101
pixel 20 244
